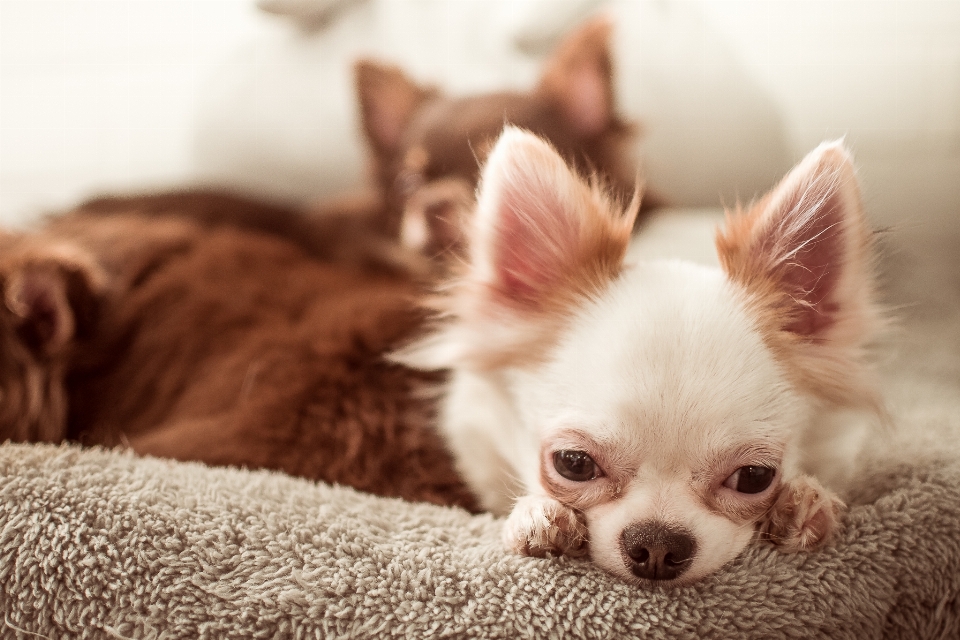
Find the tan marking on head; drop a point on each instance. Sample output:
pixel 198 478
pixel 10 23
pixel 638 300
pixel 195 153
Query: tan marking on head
pixel 743 510
pixel 708 481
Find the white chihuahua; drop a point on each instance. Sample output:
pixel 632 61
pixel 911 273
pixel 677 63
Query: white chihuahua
pixel 666 413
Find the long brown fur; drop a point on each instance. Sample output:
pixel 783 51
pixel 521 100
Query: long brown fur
pixel 345 230
pixel 224 346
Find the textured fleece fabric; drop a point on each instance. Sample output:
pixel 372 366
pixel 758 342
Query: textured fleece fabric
pixel 101 544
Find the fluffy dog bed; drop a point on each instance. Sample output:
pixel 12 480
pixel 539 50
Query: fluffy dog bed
pixel 101 544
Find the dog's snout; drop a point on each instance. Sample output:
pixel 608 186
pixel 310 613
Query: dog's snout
pixel 656 551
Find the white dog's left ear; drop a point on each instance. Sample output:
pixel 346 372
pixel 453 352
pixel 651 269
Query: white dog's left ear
pixel 543 242
pixel 542 234
pixel 803 254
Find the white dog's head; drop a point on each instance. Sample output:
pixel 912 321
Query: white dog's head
pixel 665 402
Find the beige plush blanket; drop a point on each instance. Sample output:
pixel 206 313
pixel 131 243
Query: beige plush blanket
pixel 100 544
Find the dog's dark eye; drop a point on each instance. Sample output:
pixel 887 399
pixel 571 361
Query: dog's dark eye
pixel 750 479
pixel 575 465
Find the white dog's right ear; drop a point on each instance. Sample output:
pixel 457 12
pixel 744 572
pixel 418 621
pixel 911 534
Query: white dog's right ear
pixel 543 240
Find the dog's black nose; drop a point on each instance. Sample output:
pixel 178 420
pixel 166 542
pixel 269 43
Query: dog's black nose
pixel 656 551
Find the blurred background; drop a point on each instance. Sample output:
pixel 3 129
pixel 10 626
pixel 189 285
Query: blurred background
pixel 100 95
pixel 134 95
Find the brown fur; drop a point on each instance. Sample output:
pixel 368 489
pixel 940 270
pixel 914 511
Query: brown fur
pixel 224 346
pixel 427 148
pixel 344 230
pixel 578 497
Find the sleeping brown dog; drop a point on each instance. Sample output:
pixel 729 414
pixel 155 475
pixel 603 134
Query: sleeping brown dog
pixel 205 326
pixel 216 344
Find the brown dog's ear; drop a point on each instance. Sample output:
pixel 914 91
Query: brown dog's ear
pixel 52 301
pixel 579 78
pixel 388 100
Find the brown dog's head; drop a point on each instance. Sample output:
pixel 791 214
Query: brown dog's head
pixel 49 298
pixel 428 147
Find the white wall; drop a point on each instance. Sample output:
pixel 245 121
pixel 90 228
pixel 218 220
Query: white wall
pixel 98 94
pixel 883 73
pixel 888 68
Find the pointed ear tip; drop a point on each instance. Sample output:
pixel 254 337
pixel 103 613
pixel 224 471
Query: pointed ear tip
pixel 514 138
pixel 591 38
pixel 364 67
pixel 836 151
pixel 599 26
pixel 368 70
pixel 512 131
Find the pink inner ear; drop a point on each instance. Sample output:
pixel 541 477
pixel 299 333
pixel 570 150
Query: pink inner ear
pixel 533 243
pixel 813 264
pixel 587 102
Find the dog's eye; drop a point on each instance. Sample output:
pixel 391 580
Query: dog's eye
pixel 750 479
pixel 575 465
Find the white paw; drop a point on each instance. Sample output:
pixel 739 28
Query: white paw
pixel 538 526
pixel 804 516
